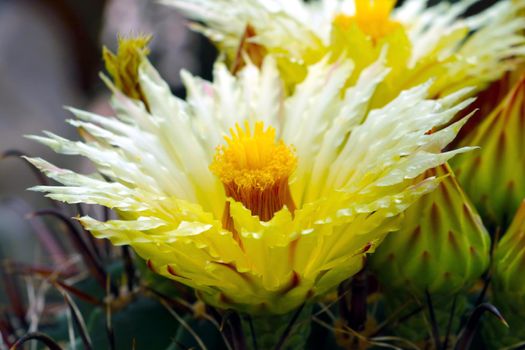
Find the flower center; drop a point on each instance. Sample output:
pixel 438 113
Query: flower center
pixel 372 17
pixel 254 169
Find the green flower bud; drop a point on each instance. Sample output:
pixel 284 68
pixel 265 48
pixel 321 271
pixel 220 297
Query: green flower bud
pixel 123 66
pixel 442 246
pixel 493 175
pixel 508 283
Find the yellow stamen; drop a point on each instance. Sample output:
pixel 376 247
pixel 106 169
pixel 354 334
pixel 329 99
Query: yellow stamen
pixel 372 17
pixel 254 169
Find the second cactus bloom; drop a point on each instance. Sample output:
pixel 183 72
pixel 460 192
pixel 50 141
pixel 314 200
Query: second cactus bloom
pixel 438 42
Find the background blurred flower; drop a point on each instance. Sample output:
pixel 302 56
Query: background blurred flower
pixel 423 42
pixel 228 231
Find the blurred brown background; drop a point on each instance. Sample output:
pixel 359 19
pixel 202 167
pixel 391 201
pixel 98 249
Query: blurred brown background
pixel 50 56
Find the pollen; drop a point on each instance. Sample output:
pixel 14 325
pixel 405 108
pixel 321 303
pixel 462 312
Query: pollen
pixel 254 168
pixel 372 17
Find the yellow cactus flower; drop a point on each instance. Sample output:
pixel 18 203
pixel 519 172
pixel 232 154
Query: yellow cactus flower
pixel 258 200
pixel 493 175
pixel 423 43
